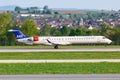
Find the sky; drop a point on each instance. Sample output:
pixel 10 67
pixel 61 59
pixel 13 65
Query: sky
pixel 79 4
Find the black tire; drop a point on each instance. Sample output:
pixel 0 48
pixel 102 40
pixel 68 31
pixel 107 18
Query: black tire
pixel 56 47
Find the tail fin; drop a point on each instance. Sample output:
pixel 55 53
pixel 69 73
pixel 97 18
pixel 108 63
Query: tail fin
pixel 17 33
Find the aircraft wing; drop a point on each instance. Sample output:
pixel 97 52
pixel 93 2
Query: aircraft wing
pixel 57 43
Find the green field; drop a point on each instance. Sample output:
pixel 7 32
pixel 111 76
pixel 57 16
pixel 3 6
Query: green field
pixel 58 55
pixel 60 68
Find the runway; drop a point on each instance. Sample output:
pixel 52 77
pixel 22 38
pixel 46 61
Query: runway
pixel 61 61
pixel 57 50
pixel 62 77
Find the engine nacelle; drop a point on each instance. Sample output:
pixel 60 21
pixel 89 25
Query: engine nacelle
pixel 35 38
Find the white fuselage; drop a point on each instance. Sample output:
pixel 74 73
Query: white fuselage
pixel 66 40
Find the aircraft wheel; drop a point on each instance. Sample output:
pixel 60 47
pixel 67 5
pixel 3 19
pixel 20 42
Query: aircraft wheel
pixel 56 47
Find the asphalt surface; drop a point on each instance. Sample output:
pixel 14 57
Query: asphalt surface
pixel 56 50
pixel 62 77
pixel 60 61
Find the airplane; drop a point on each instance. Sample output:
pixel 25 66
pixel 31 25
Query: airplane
pixel 58 40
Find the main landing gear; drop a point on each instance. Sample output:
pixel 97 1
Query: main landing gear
pixel 56 47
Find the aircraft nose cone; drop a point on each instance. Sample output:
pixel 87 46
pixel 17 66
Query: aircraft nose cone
pixel 109 41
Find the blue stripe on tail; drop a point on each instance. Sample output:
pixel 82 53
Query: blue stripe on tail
pixel 17 33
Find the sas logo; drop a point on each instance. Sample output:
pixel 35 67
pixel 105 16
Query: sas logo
pixel 19 36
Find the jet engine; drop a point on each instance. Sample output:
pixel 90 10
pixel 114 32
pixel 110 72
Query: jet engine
pixel 35 38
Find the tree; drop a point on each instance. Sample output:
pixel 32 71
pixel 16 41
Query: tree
pixel 95 32
pixel 114 35
pixel 56 12
pixel 18 8
pixel 65 31
pixel 72 32
pixel 46 10
pixel 104 28
pixel 88 32
pixel 55 32
pixel 79 31
pixel 3 40
pixel 5 19
pixel 45 30
pixel 5 24
pixel 45 7
pixel 29 27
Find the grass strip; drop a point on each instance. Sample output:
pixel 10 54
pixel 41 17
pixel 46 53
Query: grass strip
pixel 58 55
pixel 60 68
